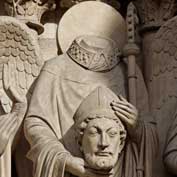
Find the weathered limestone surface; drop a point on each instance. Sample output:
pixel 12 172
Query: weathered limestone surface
pixel 156 39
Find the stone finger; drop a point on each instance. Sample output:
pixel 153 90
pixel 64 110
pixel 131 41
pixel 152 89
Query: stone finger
pixel 6 76
pixel 124 102
pixel 125 113
pixel 122 117
pixel 122 98
pixel 16 95
pixel 124 108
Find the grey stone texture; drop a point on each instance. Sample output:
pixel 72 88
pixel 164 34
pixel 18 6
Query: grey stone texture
pixel 78 47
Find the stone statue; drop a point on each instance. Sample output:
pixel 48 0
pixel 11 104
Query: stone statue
pixel 19 67
pixel 170 154
pixel 158 32
pixel 88 61
pixel 101 135
pixel 9 126
pixel 162 86
pixel 100 123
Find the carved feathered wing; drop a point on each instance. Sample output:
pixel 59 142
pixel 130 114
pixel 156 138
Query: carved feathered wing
pixel 20 59
pixel 163 76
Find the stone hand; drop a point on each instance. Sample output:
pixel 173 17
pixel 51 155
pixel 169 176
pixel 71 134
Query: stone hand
pixel 10 123
pixel 19 100
pixel 20 104
pixel 16 96
pixel 78 167
pixel 126 112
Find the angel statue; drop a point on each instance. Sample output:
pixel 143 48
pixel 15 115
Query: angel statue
pixel 92 57
pixel 20 64
pixel 163 91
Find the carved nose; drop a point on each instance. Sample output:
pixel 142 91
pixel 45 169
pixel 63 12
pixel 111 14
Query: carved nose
pixel 104 142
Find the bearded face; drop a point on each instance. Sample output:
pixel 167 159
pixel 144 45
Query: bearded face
pixel 101 143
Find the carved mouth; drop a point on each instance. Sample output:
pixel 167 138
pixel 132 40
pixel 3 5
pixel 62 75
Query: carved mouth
pixel 103 154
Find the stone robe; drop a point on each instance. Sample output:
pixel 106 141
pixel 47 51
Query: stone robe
pixel 5 161
pixel 13 161
pixel 61 87
pixel 170 152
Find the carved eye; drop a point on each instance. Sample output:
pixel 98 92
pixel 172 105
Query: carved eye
pixel 92 131
pixel 112 132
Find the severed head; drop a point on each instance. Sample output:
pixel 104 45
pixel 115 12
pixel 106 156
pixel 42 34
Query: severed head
pixel 100 134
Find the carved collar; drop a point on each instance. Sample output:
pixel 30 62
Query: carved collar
pixel 100 58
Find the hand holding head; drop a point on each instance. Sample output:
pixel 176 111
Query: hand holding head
pixel 126 112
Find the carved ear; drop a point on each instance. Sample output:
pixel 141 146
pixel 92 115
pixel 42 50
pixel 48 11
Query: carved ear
pixel 122 144
pixel 122 140
pixel 78 140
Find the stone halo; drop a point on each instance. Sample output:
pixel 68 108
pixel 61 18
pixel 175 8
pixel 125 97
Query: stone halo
pixel 91 18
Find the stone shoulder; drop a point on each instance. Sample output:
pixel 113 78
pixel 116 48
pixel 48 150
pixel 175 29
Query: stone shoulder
pixel 56 65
